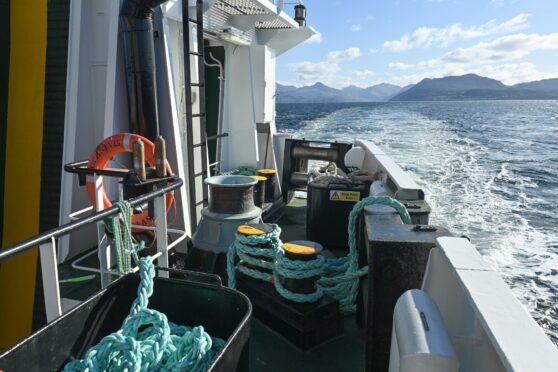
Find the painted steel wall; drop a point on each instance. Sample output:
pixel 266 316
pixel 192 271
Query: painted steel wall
pixel 33 66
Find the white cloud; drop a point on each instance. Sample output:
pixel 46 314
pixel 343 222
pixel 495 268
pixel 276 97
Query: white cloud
pixel 513 73
pixel 508 73
pixel 311 72
pixel 359 78
pixel 326 71
pixel 424 37
pixel 363 74
pixel 501 49
pixel 487 58
pixel 399 65
pixel 344 55
pixel 315 39
pixel 356 27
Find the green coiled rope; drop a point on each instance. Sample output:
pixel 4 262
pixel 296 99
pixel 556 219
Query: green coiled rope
pixel 292 269
pixel 147 341
pixel 339 277
pixel 342 284
pixel 246 247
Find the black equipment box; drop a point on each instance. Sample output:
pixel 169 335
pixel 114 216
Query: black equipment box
pixel 304 324
pixel 398 255
pixel 198 300
pixel 329 206
pixel 419 210
pixel 298 152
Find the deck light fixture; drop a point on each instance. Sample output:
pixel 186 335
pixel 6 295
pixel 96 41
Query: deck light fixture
pixel 235 36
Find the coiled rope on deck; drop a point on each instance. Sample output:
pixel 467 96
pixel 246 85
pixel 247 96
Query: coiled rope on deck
pixel 147 341
pixel 343 278
pixel 339 277
pixel 293 269
pixel 246 248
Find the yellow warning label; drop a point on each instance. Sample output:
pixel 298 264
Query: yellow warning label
pixel 339 195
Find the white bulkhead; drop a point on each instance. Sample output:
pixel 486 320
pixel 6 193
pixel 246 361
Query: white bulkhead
pixel 96 85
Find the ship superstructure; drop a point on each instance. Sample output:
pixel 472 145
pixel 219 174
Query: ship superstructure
pixel 188 88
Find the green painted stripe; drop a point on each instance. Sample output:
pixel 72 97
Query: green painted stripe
pixel 4 84
pixel 58 16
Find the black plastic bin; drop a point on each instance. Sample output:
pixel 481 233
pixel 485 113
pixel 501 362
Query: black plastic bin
pixel 328 212
pixel 223 313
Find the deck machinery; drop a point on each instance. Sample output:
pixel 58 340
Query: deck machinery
pixel 201 74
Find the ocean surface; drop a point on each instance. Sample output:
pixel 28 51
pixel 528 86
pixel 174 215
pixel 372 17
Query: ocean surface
pixel 489 170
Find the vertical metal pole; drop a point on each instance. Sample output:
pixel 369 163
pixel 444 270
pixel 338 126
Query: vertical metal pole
pixel 189 122
pixel 49 270
pixel 120 191
pixel 103 248
pixel 161 228
pixel 201 87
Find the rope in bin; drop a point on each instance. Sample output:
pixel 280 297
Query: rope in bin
pixel 339 277
pixel 147 341
pixel 240 171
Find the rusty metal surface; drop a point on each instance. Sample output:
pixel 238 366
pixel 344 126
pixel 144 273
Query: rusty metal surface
pixel 139 159
pixel 398 255
pixel 231 200
pixel 160 156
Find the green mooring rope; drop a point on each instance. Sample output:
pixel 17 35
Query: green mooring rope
pixel 147 341
pixel 122 232
pixel 339 277
pixel 246 248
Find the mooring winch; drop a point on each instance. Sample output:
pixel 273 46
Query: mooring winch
pixel 231 205
pixel 299 152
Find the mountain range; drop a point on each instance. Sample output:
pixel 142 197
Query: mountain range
pixel 451 88
pixel 322 93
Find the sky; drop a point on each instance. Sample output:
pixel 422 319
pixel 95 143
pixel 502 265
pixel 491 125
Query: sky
pixel 367 42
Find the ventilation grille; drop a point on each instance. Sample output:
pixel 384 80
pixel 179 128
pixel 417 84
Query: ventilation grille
pixel 240 7
pixel 274 24
pixel 224 9
pixel 215 19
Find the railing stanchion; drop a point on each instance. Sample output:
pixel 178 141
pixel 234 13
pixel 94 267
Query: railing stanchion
pixel 161 228
pixel 102 239
pixel 49 271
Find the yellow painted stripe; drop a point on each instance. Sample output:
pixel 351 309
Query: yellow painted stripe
pixel 22 181
pixel 249 230
pixel 259 178
pixel 299 249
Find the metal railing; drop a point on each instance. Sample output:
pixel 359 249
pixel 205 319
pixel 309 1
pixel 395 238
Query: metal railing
pixel 46 241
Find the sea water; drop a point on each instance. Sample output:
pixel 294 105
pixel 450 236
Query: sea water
pixel 489 170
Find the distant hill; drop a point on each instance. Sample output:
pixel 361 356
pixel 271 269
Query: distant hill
pixel 474 87
pixel 452 88
pixel 320 93
pixel 308 94
pixel 547 85
pixel 376 93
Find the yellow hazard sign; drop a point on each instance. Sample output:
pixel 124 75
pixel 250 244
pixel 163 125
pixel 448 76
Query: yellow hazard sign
pixel 339 195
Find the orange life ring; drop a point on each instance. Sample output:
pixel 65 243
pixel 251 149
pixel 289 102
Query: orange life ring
pixel 115 145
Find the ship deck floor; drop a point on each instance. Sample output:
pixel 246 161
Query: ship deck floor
pixel 270 352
